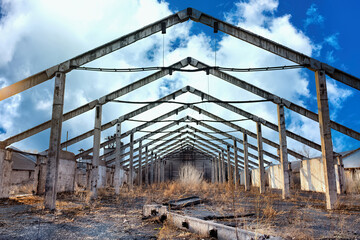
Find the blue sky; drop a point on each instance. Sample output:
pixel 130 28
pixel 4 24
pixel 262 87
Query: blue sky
pixel 35 36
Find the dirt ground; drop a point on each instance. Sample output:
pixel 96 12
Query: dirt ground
pixel 119 217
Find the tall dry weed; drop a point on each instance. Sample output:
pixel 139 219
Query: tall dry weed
pixel 190 177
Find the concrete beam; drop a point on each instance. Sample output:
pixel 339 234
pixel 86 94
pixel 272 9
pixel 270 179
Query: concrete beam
pixel 93 54
pixel 274 98
pixel 103 100
pixel 326 140
pixel 54 142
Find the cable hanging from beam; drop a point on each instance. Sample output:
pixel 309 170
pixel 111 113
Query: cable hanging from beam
pixel 192 103
pixel 206 69
pixel 187 120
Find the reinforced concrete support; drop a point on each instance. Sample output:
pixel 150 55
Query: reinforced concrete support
pixel 152 168
pixel 162 169
pixel 140 176
pixel 223 170
pixel 131 166
pixel 118 159
pixel 261 158
pixel 219 168
pixel 216 171
pixel 96 152
pixel 229 168
pixel 236 174
pixel 5 172
pixel 246 163
pixel 54 143
pixel 326 140
pixel 285 179
pixel 146 166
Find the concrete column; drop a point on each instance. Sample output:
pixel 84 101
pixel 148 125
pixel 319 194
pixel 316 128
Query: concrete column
pixel 146 166
pixel 131 165
pixel 162 170
pixel 285 179
pixel 261 158
pixel 41 174
pixel 223 170
pixel 246 164
pixel 152 168
pixel 118 152
pixel 158 169
pixel 140 176
pixel 236 174
pixel 5 172
pixel 219 168
pixel 340 178
pixel 212 170
pixel 216 179
pixel 96 152
pixel 54 142
pixel 230 171
pixel 326 140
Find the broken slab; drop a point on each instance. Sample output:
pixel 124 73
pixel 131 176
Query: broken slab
pixel 184 202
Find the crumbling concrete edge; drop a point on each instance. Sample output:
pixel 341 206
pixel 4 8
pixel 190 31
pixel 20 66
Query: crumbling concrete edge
pixel 202 227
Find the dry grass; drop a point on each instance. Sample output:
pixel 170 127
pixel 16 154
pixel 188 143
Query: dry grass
pixel 190 177
pixel 353 183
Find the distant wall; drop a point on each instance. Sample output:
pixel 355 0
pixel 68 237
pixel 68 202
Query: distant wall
pixel 312 176
pixel 352 180
pixel 255 177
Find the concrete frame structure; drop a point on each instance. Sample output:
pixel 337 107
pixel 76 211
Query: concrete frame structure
pixel 59 71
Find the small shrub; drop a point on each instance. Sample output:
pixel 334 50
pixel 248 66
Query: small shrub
pixel 189 176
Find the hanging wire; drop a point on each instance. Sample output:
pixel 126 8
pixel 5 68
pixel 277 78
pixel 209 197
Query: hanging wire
pixel 143 69
pixel 191 103
pixel 179 120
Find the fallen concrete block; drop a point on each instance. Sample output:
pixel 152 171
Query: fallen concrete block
pixel 184 202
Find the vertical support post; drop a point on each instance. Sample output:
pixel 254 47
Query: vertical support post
pixel 54 143
pixel 152 168
pixel 230 172
pixel 216 179
pixel 285 179
pixel 158 169
pixel 223 171
pixel 140 164
pixel 146 166
pixel 212 170
pixel 261 158
pixel 326 140
pixel 236 175
pixel 246 164
pixel 219 168
pixel 131 165
pixel 118 153
pixel 162 170
pixel 5 172
pixel 96 152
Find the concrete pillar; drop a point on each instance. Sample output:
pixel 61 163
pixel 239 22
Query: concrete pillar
pixel 5 172
pixel 118 153
pixel 219 168
pixel 216 179
pixel 162 170
pixel 223 170
pixel 152 169
pixel 131 165
pixel 236 174
pixel 340 175
pixel 140 176
pixel 285 178
pixel 246 164
pixel 146 166
pixel 54 142
pixel 212 170
pixel 229 168
pixel 96 152
pixel 261 158
pixel 158 169
pixel 326 141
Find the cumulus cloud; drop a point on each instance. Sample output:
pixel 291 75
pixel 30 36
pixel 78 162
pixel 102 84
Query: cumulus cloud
pixel 44 33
